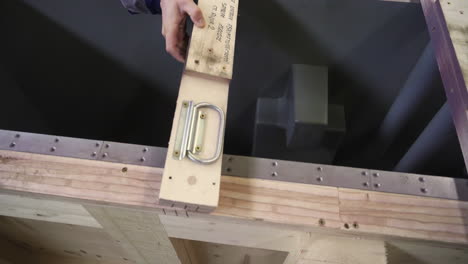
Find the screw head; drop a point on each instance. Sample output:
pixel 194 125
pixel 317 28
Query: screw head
pixel 319 168
pixel 145 150
pixel 57 140
pixel 376 174
pixel 142 159
pixel 97 144
pixel 377 185
pixel 17 135
pixel 12 144
pixel 176 153
pixel 197 148
pixel 274 174
pixel 202 116
pixel 105 155
pixel 423 190
pixel 319 179
pixel 107 145
pixel 421 179
pixel 274 164
pixel 52 149
pixel 364 173
pixel 94 154
pixel 365 184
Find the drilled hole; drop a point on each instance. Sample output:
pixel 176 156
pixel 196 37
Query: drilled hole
pixel 346 225
pixel 321 222
pixel 274 174
pixel 356 225
pixel 170 177
pixel 197 62
pixel 214 183
pixel 228 169
pixel 124 169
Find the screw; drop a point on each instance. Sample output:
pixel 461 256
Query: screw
pixel 202 116
pixel 17 135
pixel 356 225
pixel 346 225
pixel 377 185
pixel 228 169
pixel 52 149
pixel 197 61
pixel 94 154
pixel 197 148
pixel 274 164
pixel 321 222
pixel 97 144
pixel 364 173
pixel 421 179
pixel 423 190
pixel 170 177
pixel 214 183
pixel 365 184
pixel 13 144
pixel 176 153
pixel 105 155
pixel 145 150
pixel 274 174
pixel 230 159
pixel 57 140
pixel 319 168
pixel 376 174
pixel 319 179
pixel 142 159
pixel 185 104
pixel 124 169
pixel 107 145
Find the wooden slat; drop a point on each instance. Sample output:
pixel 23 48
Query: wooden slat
pixel 139 233
pixel 186 183
pixel 212 47
pixel 266 202
pixel 45 210
pixel 447 21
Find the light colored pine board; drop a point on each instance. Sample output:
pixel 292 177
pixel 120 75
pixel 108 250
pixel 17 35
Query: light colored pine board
pixel 265 202
pixel 404 215
pixel 339 250
pixel 66 240
pixel 211 253
pixel 186 183
pixel 45 210
pixel 140 234
pixel 211 48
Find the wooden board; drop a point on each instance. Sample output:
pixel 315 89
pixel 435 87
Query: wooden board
pixel 79 242
pixel 292 205
pixel 140 233
pixel 212 47
pixel 187 184
pixel 447 22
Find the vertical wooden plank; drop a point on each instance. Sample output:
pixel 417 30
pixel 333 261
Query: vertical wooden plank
pixel 212 47
pixel 187 184
pixel 141 234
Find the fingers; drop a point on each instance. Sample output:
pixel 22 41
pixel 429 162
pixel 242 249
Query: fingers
pixel 189 7
pixel 173 25
pixel 175 43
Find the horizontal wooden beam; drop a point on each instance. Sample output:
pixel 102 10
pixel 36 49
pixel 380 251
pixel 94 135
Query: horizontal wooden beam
pixel 301 207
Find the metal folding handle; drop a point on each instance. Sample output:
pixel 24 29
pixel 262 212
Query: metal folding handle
pixel 190 127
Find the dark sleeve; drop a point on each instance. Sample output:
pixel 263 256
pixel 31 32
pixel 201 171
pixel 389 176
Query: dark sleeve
pixel 142 6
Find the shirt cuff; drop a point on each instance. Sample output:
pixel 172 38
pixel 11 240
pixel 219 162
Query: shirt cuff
pixel 153 6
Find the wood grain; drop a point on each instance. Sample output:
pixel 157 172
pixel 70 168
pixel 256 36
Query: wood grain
pixel 140 233
pixel 274 204
pixel 211 48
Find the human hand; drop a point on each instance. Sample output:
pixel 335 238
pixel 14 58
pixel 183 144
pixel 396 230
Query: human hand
pixel 174 15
